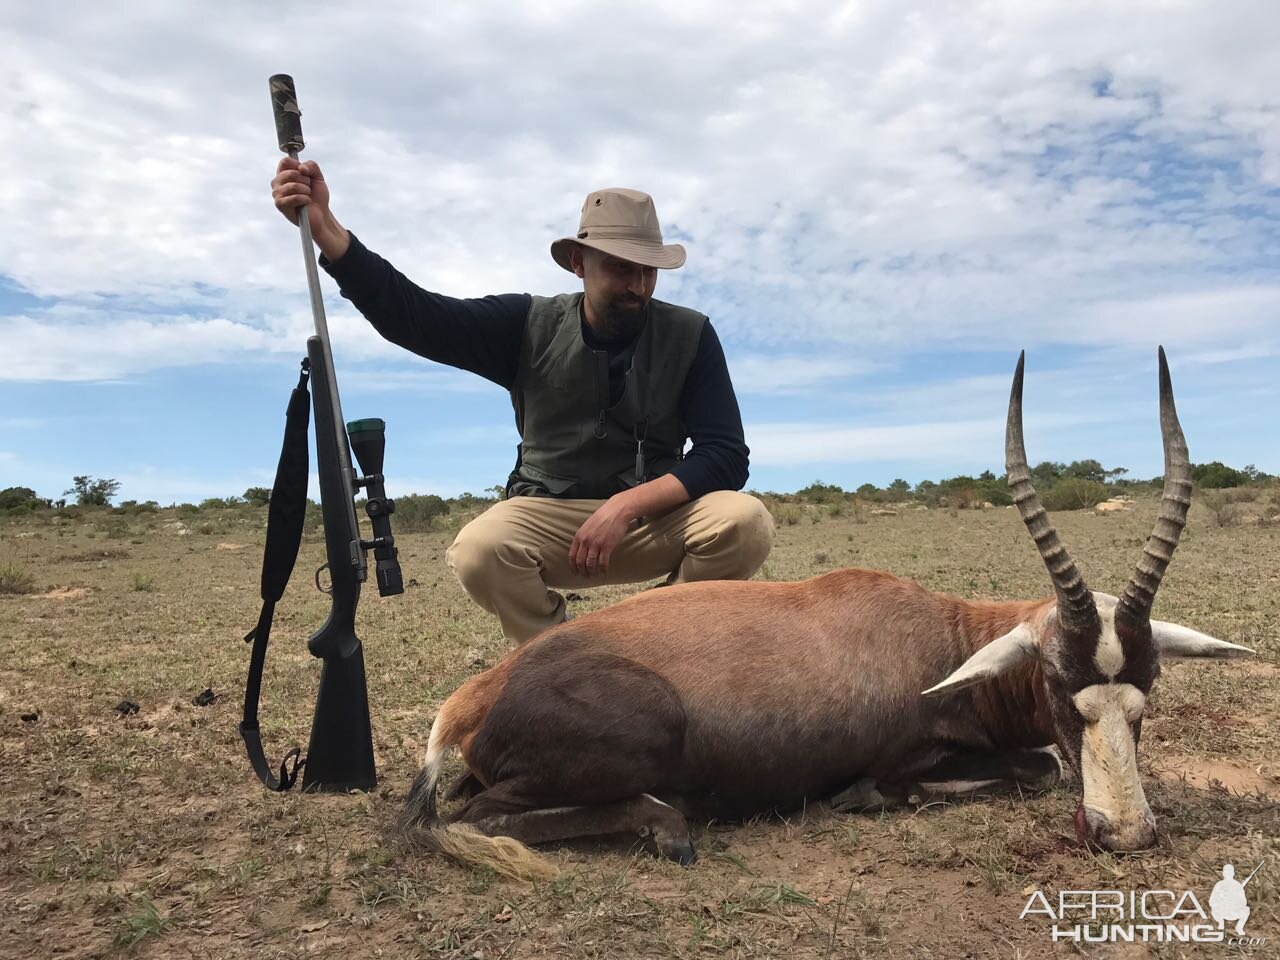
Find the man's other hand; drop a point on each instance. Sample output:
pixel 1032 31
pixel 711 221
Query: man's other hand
pixel 598 537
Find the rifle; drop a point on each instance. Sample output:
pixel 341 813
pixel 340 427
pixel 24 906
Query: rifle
pixel 340 755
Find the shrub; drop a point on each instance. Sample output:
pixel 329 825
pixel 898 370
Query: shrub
pixel 1075 493
pixel 417 512
pixel 789 515
pixel 313 519
pixel 859 510
pixel 116 528
pixel 964 497
pixel 772 502
pixel 258 496
pixel 142 583
pixel 468 499
pixel 998 496
pixel 1236 494
pixel 1235 506
pixel 819 492
pixel 133 507
pixel 869 491
pixel 1046 473
pixel 927 491
pixel 21 499
pixel 1217 474
pixel 1235 514
pixel 15 578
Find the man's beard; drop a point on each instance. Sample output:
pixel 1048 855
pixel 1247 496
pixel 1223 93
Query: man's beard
pixel 623 317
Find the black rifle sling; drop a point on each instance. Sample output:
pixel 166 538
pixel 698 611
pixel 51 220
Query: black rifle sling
pixel 285 515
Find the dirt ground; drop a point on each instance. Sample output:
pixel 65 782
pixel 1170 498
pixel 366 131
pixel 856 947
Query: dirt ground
pixel 146 834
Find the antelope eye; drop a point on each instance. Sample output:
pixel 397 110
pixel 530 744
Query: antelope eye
pixel 1133 703
pixel 1089 704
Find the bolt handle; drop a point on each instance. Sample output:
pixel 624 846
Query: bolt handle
pixel 284 102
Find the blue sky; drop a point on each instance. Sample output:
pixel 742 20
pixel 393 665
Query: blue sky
pixel 883 203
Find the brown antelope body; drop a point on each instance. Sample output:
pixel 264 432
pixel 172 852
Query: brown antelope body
pixel 727 699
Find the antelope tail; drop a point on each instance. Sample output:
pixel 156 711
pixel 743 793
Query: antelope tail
pixel 420 826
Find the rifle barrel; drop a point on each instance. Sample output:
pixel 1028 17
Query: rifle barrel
pixel 288 116
pixel 322 331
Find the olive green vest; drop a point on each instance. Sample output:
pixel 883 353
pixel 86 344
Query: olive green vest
pixel 573 443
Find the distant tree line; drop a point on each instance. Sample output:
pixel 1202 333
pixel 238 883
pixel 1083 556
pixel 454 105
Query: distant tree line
pixel 1062 486
pixel 1081 483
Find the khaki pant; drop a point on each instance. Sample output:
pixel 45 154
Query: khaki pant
pixel 507 557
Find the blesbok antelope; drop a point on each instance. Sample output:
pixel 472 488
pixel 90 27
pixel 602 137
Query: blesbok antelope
pixel 728 699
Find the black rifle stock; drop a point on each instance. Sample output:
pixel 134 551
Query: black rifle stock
pixel 340 755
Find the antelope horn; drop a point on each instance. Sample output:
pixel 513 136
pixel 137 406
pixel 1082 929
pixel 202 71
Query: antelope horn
pixel 1076 610
pixel 1135 603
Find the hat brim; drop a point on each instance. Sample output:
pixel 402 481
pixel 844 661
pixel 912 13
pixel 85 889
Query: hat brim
pixel 664 256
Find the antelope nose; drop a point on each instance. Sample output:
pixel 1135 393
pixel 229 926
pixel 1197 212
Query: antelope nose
pixel 1136 833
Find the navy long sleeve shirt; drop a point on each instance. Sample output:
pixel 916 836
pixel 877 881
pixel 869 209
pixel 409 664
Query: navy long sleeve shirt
pixel 484 335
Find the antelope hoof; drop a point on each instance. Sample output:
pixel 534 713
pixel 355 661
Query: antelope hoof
pixel 863 795
pixel 681 850
pixel 671 844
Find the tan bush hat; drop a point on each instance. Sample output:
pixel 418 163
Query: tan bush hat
pixel 622 223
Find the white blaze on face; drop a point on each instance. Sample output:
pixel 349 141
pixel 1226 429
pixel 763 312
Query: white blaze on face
pixel 1108 759
pixel 1109 657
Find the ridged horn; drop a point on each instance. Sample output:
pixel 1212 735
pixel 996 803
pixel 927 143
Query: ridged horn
pixel 1135 602
pixel 1077 612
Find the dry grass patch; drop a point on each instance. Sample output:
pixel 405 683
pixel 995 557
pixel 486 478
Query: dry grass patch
pixel 146 835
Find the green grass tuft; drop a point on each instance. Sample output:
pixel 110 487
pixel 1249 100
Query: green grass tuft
pixel 144 922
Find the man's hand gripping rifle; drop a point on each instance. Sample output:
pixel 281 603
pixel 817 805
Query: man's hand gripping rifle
pixel 340 756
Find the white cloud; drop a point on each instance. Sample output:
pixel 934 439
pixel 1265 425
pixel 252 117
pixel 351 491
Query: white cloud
pixel 113 350
pixel 1214 357
pixel 168 484
pixel 424 378
pixel 959 155
pixel 759 374
pixel 1231 319
pixel 81 341
pixel 787 444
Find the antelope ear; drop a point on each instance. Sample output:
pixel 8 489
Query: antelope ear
pixel 997 657
pixel 1175 640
